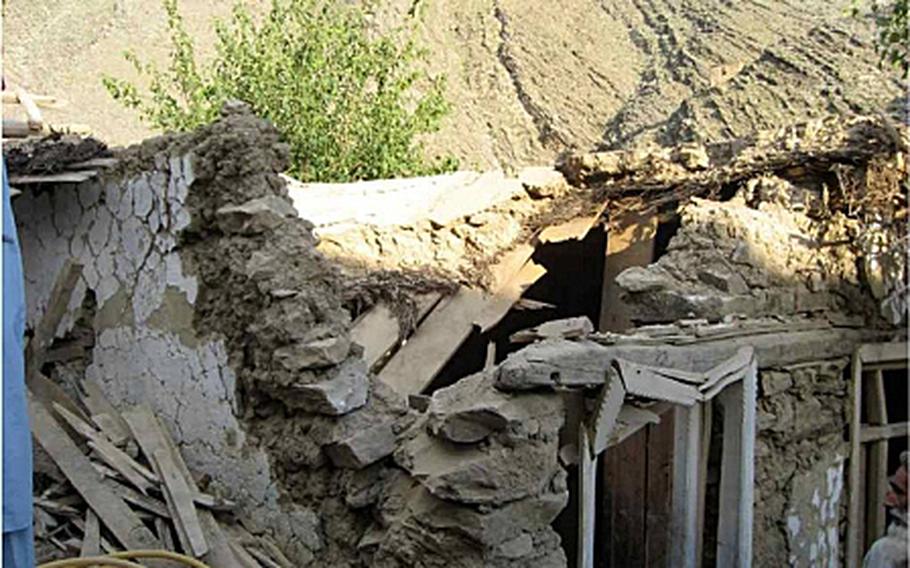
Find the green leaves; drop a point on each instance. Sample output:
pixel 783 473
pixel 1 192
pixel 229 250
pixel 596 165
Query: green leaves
pixel 892 32
pixel 351 104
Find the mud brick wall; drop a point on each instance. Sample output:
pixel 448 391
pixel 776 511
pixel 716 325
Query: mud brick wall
pixel 203 296
pixel 800 497
pixel 137 301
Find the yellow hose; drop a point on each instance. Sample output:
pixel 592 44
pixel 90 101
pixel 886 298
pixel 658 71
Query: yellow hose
pixel 120 560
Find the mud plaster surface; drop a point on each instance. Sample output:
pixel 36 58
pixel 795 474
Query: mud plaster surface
pixel 125 230
pixel 800 498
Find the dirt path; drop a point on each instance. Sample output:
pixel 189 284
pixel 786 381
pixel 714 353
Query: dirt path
pixel 526 78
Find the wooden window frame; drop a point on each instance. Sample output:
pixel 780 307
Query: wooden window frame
pixel 871 439
pixel 734 383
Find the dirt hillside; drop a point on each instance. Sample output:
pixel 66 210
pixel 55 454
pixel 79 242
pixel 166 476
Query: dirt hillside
pixel 527 78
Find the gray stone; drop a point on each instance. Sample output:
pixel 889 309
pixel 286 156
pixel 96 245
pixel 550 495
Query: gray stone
pixel 775 382
pixel 521 545
pixel 315 354
pixel 471 425
pixel 346 391
pixel 641 279
pixel 254 216
pixel 723 280
pixel 364 447
pixel 554 363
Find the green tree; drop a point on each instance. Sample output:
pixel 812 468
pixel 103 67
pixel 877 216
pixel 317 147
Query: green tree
pixel 351 103
pixel 892 31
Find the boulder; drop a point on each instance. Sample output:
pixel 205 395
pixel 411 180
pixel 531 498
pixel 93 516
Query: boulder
pixel 346 391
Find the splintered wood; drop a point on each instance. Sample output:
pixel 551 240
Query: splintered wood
pixel 126 487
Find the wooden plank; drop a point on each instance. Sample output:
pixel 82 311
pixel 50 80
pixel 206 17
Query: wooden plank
pixel 134 472
pixel 163 528
pixel 178 494
pixel 148 434
pixel 606 411
pixel 747 469
pixel 631 243
pixel 567 328
pixel 62 177
pixel 114 426
pixel 726 372
pixel 17 128
pixel 704 449
pixel 587 498
pixel 854 533
pixel 12 97
pixel 641 381
pixel 730 477
pixel 144 502
pixel 877 473
pixel 659 491
pixel 631 419
pixel 872 353
pixel 626 475
pixel 505 296
pixel 377 331
pixel 573 229
pixel 35 120
pixel 219 553
pixel 490 359
pixel 433 344
pixel 125 525
pixel 886 432
pixel 91 539
pixel 57 305
pixel 686 491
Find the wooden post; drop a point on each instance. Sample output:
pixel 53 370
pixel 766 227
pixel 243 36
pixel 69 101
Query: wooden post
pixel 587 493
pixel 686 493
pixel 854 534
pixel 877 474
pixel 734 531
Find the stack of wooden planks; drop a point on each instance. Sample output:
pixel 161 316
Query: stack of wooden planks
pixel 117 482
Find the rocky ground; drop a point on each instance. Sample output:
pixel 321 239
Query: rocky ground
pixel 527 79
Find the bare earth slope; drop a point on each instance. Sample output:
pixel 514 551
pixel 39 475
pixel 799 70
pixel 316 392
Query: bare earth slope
pixel 527 78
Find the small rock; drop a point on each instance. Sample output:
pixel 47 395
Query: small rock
pixel 315 354
pixel 641 279
pixel 774 382
pixel 541 182
pixel 254 216
pixel 346 391
pixel 471 425
pixel 520 546
pixel 364 447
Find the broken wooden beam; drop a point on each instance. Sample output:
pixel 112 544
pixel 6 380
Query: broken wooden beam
pixel 122 522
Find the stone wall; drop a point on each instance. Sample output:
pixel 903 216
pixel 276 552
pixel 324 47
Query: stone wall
pixel 800 496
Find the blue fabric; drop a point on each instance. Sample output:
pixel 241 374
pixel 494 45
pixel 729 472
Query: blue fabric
pixel 19 549
pixel 17 441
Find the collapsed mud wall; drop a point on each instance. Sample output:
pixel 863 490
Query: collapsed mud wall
pixel 203 295
pixel 776 250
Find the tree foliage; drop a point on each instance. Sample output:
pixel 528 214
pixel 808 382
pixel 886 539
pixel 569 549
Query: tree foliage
pixel 344 97
pixel 892 31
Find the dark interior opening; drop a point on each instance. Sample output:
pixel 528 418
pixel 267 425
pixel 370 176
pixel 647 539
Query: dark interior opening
pixel 572 285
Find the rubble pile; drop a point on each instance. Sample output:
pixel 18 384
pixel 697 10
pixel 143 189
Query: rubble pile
pixel 209 297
